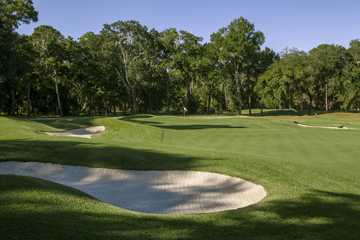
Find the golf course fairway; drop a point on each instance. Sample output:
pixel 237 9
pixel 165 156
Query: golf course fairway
pixel 311 176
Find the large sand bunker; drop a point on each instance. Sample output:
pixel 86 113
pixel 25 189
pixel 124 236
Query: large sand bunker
pixel 81 132
pixel 148 191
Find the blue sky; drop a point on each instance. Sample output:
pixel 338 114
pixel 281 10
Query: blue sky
pixel 286 23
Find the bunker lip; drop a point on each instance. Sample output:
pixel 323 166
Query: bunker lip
pixel 160 192
pixel 325 127
pixel 80 132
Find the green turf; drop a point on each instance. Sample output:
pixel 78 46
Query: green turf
pixel 312 176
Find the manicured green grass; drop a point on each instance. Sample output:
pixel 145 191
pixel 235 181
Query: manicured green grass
pixel 312 176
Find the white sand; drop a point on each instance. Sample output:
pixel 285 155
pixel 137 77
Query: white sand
pixel 81 132
pixel 148 191
pixel 325 127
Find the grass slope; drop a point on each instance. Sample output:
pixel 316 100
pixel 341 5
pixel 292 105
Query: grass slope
pixel 312 176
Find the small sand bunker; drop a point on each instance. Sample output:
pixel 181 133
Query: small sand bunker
pixel 325 127
pixel 148 191
pixel 81 132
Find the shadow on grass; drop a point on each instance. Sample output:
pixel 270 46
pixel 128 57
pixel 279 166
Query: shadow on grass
pixel 65 123
pixel 140 120
pixel 279 112
pixel 198 126
pixel 94 155
pixel 63 214
pixel 292 112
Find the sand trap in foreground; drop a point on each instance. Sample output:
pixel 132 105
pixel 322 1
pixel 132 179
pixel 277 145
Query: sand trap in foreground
pixel 325 127
pixel 148 191
pixel 81 132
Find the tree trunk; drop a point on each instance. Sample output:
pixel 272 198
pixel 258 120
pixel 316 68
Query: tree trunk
pixel 58 98
pixel 249 104
pixel 290 97
pixel 29 105
pixel 133 100
pixel 209 102
pixel 189 96
pixel 310 104
pixel 250 89
pixel 105 108
pixel 225 97
pixel 326 98
pixel 13 102
pixel 167 96
pixel 131 90
pixel 191 88
pixel 130 87
pixel 238 92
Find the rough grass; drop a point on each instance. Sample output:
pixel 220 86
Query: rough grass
pixel 311 175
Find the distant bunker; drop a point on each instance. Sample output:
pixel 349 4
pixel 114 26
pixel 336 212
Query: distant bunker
pixel 80 133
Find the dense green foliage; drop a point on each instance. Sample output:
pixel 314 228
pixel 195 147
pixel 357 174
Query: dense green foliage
pixel 127 67
pixel 311 177
pixel 15 52
pixel 326 78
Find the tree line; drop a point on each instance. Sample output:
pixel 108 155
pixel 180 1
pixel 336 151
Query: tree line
pixel 127 67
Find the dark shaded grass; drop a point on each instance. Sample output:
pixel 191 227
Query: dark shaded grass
pixel 93 155
pixel 140 120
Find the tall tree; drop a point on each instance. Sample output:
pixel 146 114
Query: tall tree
pixel 129 39
pixel 263 60
pixel 12 14
pixel 288 82
pixel 210 72
pixel 90 72
pixel 48 43
pixel 349 92
pixel 326 62
pixel 169 39
pixel 187 63
pixel 239 44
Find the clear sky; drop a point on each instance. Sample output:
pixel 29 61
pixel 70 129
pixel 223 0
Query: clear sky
pixel 286 23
